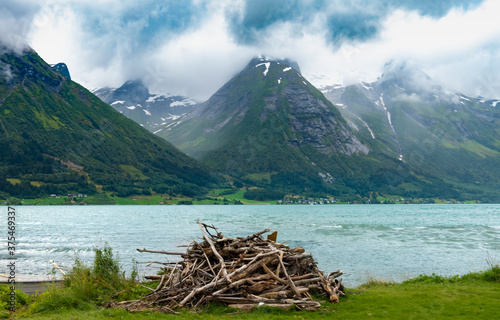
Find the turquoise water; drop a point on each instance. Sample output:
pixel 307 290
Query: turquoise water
pixel 393 242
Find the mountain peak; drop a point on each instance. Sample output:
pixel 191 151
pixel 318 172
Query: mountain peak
pixel 132 90
pixel 267 59
pixel 407 75
pixel 268 125
pixel 62 68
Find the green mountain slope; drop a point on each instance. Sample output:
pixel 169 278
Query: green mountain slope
pixel 270 127
pixel 441 134
pixel 57 137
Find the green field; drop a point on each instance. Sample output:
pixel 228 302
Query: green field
pixel 214 197
pixel 462 300
pixel 238 195
pixel 88 289
pixel 138 200
pixel 217 197
pixel 46 201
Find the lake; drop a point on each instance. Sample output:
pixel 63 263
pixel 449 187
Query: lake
pixel 391 242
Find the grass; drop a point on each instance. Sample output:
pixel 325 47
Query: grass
pixel 474 300
pixel 47 201
pixel 214 197
pixel 138 200
pixel 88 289
pixel 238 195
pixel 98 199
pixel 14 181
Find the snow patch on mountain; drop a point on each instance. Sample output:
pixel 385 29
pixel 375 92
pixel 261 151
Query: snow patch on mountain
pixel 392 127
pixel 366 86
pixel 403 89
pixel 117 102
pixel 267 64
pixel 368 127
pixel 182 103
pixel 352 125
pixel 154 98
pixel 287 69
pixel 172 117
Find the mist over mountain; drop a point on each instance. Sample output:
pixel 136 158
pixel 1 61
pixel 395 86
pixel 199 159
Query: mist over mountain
pixel 430 128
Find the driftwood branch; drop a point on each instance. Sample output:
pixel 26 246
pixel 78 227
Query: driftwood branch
pixel 161 251
pixel 214 250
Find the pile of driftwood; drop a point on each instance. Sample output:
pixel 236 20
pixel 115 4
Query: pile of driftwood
pixel 241 272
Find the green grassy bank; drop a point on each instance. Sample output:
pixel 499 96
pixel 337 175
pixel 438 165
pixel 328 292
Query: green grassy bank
pixel 228 196
pixel 88 289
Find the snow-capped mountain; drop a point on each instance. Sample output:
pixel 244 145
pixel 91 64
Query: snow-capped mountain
pixel 426 126
pixel 152 111
pixel 269 126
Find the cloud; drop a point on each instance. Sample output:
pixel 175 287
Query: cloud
pixel 198 62
pixel 344 20
pixel 16 19
pixel 454 50
pixel 410 98
pixel 194 46
pixel 5 71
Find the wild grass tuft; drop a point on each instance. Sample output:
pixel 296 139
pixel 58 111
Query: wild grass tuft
pixel 22 299
pixel 490 275
pixel 373 281
pixel 86 287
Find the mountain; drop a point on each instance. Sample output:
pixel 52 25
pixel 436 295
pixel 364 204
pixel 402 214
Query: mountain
pixel 268 126
pixel 441 133
pixel 57 137
pixel 62 68
pixel 154 112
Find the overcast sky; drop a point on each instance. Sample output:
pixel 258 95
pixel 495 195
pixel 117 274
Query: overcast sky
pixel 193 47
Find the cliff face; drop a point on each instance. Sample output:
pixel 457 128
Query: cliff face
pixel 316 123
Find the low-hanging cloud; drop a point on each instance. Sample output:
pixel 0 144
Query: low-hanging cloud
pixel 5 72
pixel 192 47
pixel 16 19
